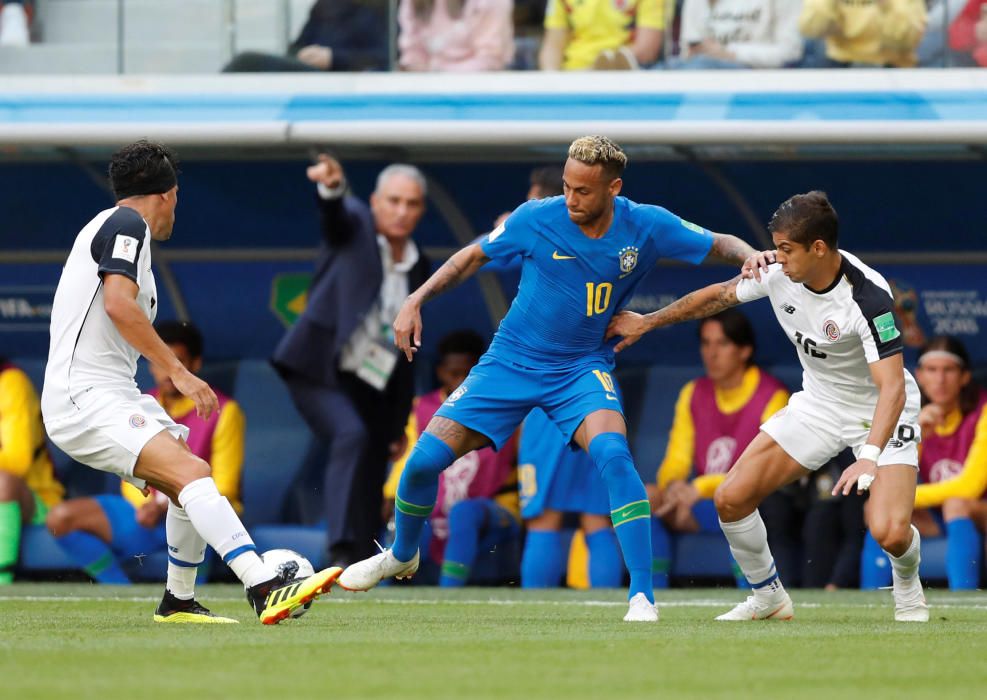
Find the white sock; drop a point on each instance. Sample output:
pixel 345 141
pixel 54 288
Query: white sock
pixel 186 550
pixel 748 540
pixel 216 521
pixel 906 565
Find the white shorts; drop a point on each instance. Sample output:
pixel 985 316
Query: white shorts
pixel 107 430
pixel 814 431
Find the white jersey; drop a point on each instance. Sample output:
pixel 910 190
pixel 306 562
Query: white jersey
pixel 87 351
pixel 837 332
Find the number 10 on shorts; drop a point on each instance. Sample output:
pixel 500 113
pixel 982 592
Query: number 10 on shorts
pixel 606 380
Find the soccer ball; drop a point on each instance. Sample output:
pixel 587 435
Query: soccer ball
pixel 284 559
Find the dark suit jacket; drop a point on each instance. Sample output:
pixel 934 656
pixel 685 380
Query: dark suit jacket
pixel 347 282
pixel 355 30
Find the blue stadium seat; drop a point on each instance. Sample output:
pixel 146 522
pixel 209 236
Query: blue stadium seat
pixel 41 552
pixel 277 441
pixel 933 566
pixel 703 554
pixel 650 394
pixel 309 541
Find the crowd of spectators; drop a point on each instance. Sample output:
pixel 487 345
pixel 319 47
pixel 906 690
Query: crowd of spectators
pixel 488 35
pixel 493 35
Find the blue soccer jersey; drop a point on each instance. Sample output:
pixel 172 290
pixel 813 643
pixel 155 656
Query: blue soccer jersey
pixel 571 285
pixel 549 351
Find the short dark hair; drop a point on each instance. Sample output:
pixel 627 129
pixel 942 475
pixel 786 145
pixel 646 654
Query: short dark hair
pixel 547 178
pixel 808 217
pixel 181 333
pixel 737 327
pixel 466 342
pixel 142 168
pixel 970 394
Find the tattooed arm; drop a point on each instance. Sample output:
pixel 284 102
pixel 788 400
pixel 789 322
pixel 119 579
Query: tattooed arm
pixel 698 304
pixel 733 251
pixel 408 324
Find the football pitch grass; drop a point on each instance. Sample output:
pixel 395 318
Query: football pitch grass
pixel 85 641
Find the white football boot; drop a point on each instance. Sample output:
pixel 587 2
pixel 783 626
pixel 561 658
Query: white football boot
pixel 366 574
pixel 909 600
pixel 640 609
pixel 754 608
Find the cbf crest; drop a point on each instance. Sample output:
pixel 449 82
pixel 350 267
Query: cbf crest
pixel 628 260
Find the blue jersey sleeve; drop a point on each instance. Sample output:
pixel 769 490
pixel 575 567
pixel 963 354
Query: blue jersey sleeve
pixel 679 239
pixel 516 236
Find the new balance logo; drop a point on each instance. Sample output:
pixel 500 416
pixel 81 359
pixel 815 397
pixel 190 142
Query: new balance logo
pixel 895 442
pixel 788 309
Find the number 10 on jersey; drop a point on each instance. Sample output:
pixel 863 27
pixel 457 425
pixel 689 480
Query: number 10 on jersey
pixel 597 297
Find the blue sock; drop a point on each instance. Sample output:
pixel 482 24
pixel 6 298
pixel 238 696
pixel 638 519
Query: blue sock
pixel 466 519
pixel 629 508
pixel 417 491
pixel 93 556
pixel 963 550
pixel 606 569
pixel 542 563
pixel 661 553
pixel 875 567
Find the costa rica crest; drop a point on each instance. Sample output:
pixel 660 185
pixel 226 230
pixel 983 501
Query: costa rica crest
pixel 831 330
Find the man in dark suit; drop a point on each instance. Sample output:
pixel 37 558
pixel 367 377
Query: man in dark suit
pixel 340 35
pixel 338 360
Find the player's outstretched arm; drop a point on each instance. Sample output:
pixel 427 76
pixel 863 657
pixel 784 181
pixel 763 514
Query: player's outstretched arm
pixel 120 303
pixel 458 268
pixel 733 251
pixel 698 304
pixel 889 377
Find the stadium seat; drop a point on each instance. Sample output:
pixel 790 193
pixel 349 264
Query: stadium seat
pixel 277 441
pixel 309 541
pixel 702 555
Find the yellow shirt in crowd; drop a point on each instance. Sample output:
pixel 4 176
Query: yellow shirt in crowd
pixel 23 450
pixel 878 32
pixel 596 25
pixel 227 450
pixel 677 465
pixel 971 482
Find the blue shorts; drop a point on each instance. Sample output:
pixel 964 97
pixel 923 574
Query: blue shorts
pixel 129 537
pixel 498 394
pixel 554 476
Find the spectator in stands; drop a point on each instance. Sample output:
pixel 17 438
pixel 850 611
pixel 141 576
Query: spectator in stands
pixel 544 181
pixel 952 466
pixel 477 506
pixel 602 34
pixel 739 34
pixel 455 35
pixel 339 35
pixel 15 27
pixel 968 34
pixel 338 360
pixel 557 480
pixel 868 32
pixel 100 532
pixel 716 416
pixel 28 487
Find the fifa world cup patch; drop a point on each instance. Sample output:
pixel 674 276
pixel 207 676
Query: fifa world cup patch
pixel 125 248
pixel 885 327
pixel 456 395
pixel 628 259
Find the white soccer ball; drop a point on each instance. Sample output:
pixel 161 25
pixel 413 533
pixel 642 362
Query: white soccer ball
pixel 282 559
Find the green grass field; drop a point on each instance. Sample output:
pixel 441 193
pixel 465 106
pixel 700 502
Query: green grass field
pixel 78 640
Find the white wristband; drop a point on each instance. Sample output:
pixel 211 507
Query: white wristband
pixel 871 452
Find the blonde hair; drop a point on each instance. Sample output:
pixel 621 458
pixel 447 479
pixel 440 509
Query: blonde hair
pixel 599 150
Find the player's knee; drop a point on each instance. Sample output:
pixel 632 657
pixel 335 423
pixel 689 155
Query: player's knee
pixel 61 519
pixel 466 515
pixel 612 456
pixel 428 458
pixel 955 508
pixel 893 534
pixel 191 469
pixel 731 504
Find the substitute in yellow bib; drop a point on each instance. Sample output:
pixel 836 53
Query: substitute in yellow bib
pixel 602 34
pixel 27 480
